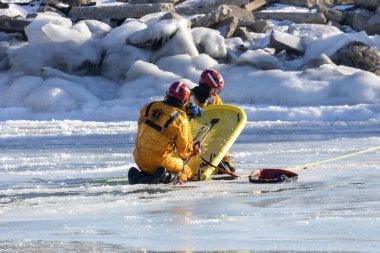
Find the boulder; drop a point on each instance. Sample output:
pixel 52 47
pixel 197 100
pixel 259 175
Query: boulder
pixel 285 41
pixel 13 25
pixel 258 26
pixel 47 8
pixel 204 7
pixel 240 13
pixel 333 15
pixel 243 33
pixel 81 2
pixel 317 62
pixel 216 16
pixel 307 3
pixel 256 4
pixel 228 27
pixel 373 25
pixel 20 2
pixel 259 59
pixel 152 1
pixel 360 19
pixel 55 4
pixel 368 3
pixel 358 55
pixel 296 17
pixel 4 59
pixel 118 11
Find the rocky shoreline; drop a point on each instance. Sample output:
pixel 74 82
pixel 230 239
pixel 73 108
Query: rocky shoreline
pixel 242 19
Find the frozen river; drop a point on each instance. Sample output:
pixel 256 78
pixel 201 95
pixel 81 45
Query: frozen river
pixel 48 205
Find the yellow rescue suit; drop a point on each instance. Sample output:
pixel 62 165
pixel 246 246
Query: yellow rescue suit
pixel 212 100
pixel 163 139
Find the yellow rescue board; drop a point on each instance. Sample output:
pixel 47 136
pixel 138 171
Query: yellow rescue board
pixel 227 122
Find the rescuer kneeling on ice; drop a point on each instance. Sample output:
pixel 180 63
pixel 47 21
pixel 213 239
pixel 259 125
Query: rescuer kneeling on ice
pixel 164 140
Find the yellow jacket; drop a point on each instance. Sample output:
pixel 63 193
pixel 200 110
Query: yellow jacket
pixel 212 100
pixel 158 145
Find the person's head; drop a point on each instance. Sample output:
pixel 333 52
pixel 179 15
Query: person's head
pixel 178 94
pixel 212 80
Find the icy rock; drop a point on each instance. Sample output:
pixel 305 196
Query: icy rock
pixel 259 59
pixel 50 27
pixel 210 42
pixel 285 41
pixel 119 11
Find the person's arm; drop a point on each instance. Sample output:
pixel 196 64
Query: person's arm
pixel 184 140
pixel 142 115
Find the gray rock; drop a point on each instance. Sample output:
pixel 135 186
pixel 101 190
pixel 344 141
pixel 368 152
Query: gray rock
pixel 333 14
pixel 296 17
pixel 258 26
pixel 4 59
pixel 360 19
pixel 307 3
pixel 373 25
pixel 358 55
pixel 152 1
pixel 285 41
pixel 259 59
pixel 240 13
pixel 228 27
pixel 256 4
pixel 205 7
pixel 119 59
pixel 216 16
pixel 243 33
pixel 120 11
pixel 80 2
pixel 12 25
pixel 317 62
pixel 368 3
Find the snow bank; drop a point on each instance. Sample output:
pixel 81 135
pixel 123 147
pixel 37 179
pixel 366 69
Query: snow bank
pixel 45 81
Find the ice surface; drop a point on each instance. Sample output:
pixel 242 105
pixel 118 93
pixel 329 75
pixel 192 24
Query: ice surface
pixel 61 127
pixel 46 200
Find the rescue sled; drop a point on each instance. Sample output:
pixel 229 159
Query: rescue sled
pixel 217 130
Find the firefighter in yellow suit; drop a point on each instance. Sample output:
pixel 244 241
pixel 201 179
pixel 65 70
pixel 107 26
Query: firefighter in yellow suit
pixel 164 140
pixel 210 82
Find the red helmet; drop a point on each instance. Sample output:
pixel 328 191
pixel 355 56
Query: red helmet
pixel 179 90
pixel 212 78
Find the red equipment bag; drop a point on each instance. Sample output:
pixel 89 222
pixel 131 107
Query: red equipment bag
pixel 270 176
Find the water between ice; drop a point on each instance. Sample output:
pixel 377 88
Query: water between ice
pixel 47 203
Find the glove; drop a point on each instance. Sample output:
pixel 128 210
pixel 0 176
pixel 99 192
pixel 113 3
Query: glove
pixel 193 111
pixel 185 174
pixel 196 148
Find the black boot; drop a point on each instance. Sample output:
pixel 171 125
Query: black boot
pixel 165 177
pixel 229 166
pixel 226 166
pixel 134 175
pixel 161 176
